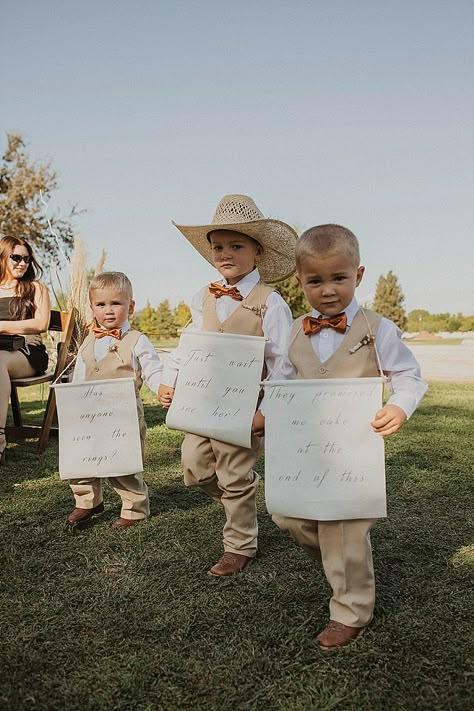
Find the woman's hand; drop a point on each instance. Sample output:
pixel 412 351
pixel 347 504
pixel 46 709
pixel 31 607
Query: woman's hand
pixel 34 339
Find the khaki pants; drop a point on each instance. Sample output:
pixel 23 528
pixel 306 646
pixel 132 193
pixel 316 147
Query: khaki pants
pixel 346 554
pixel 131 488
pixel 225 472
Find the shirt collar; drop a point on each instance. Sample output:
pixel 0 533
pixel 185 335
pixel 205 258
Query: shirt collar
pixel 247 283
pixel 350 311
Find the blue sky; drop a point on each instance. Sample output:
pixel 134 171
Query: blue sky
pixel 351 112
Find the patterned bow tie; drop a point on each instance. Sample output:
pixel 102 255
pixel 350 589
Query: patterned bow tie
pixel 114 332
pixel 217 290
pixel 314 325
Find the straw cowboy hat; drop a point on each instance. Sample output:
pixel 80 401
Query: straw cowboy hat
pixel 239 213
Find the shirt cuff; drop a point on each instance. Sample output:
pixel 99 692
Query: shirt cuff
pixel 406 401
pixel 154 382
pixel 169 377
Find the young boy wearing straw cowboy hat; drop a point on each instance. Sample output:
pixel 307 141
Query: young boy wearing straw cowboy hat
pixel 247 250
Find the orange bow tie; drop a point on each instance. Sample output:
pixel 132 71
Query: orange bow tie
pixel 314 325
pixel 114 332
pixel 217 290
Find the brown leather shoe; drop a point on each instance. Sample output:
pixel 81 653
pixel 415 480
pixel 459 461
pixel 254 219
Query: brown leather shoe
pixel 81 515
pixel 125 522
pixel 337 635
pixel 229 564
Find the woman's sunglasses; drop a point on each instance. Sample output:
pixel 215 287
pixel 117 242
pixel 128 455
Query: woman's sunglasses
pixel 20 258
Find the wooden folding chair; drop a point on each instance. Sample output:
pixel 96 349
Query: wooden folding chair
pixel 59 321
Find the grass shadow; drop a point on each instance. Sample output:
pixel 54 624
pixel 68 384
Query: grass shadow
pixel 141 598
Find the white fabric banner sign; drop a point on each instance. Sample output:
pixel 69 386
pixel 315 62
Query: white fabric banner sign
pixel 99 433
pixel 218 385
pixel 323 461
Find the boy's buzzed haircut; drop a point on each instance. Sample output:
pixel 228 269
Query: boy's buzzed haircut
pixel 324 240
pixel 112 280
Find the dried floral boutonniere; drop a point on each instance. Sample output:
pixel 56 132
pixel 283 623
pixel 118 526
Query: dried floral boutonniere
pixel 258 310
pixel 368 340
pixel 113 348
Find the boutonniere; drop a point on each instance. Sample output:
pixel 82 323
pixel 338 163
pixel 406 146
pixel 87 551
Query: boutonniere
pixel 113 348
pixel 368 340
pixel 258 310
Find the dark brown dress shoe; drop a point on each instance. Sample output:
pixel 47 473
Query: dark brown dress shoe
pixel 337 635
pixel 81 515
pixel 125 522
pixel 229 564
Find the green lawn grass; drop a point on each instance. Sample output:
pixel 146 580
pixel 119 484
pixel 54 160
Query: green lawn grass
pixel 165 343
pixel 129 619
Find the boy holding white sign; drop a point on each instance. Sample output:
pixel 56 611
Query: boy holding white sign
pixel 114 350
pixel 247 249
pixel 338 339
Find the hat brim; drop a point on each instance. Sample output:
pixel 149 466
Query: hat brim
pixel 277 239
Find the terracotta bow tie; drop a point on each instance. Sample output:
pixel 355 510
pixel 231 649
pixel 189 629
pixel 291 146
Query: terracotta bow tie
pixel 217 290
pixel 314 325
pixel 100 332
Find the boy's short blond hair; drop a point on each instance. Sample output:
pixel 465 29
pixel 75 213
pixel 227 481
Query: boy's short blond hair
pixel 112 280
pixel 325 240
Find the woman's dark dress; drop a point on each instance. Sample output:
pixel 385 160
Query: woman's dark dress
pixel 37 356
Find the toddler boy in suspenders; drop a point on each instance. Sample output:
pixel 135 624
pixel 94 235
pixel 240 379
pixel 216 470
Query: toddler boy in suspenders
pixel 115 350
pixel 338 339
pixel 247 250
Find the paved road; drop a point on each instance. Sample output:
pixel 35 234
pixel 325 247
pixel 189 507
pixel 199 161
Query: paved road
pixel 448 363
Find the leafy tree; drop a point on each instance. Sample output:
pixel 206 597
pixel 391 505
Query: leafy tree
pixel 419 320
pixel 182 314
pixel 467 323
pixel 146 321
pixel 389 299
pixel 22 213
pixel 165 323
pixel 294 296
pixel 454 324
pixel 437 322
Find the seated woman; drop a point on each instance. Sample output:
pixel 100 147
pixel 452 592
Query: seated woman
pixel 24 310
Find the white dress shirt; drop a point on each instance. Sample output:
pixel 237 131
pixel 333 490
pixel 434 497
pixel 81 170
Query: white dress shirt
pixel 398 363
pixel 276 323
pixel 144 356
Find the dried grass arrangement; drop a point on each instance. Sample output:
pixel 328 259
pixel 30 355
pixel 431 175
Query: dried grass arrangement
pixel 76 295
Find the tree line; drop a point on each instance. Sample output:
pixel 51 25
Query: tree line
pixel 162 321
pixel 422 320
pixel 165 322
pixel 389 301
pixel 26 187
